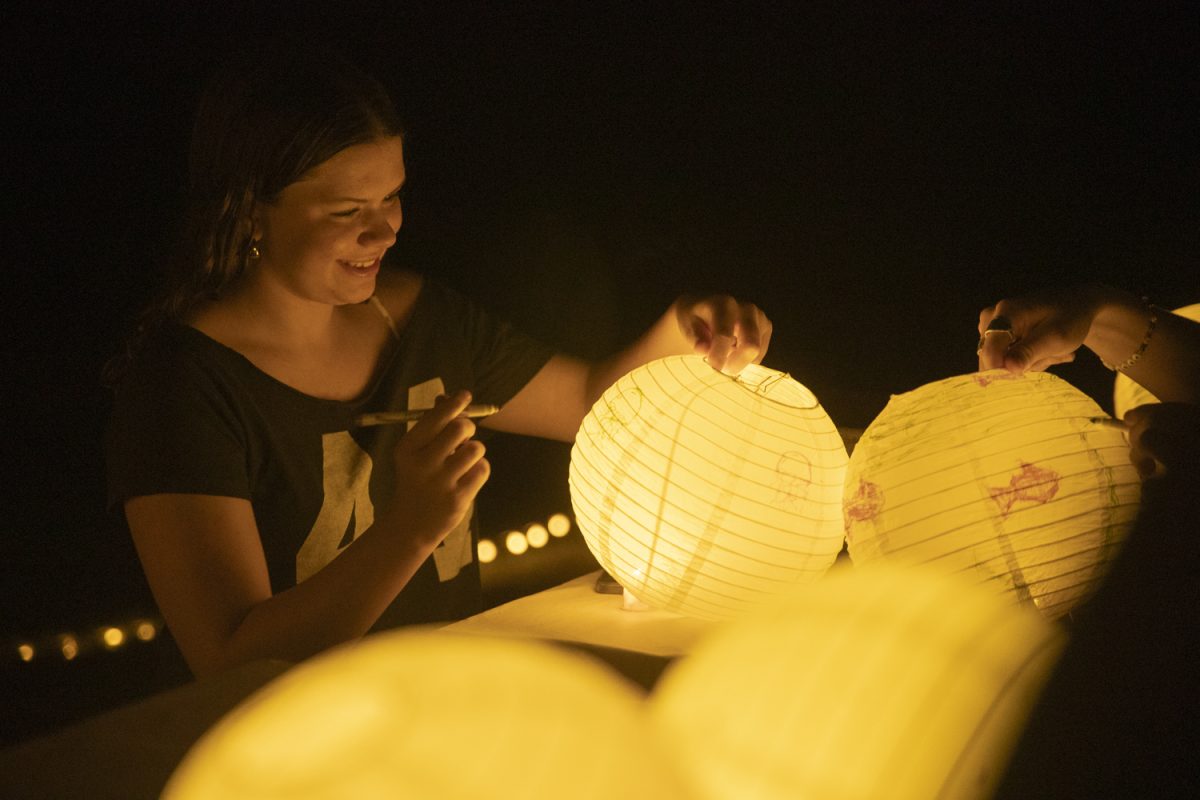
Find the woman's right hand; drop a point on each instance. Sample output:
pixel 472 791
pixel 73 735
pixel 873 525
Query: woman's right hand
pixel 439 470
pixel 1036 331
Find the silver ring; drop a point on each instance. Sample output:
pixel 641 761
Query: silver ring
pixel 983 338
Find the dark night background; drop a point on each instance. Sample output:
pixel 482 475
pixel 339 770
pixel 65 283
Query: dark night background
pixel 871 174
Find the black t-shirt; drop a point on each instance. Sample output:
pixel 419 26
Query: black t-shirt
pixel 193 416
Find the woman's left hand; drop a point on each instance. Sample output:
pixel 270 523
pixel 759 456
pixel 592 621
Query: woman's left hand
pixel 729 333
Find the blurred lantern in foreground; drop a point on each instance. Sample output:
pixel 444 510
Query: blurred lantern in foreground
pixel 431 715
pixel 703 493
pixel 1006 478
pixel 893 681
pixel 1127 393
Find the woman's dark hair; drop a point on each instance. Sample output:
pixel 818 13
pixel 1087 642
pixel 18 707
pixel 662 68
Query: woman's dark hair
pixel 265 119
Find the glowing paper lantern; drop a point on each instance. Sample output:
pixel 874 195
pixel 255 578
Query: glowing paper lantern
pixel 1127 393
pixel 1003 477
pixel 431 715
pixel 703 493
pixel 886 681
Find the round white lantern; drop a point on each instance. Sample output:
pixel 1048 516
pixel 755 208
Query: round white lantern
pixel 886 681
pixel 1127 393
pixel 422 714
pixel 1006 478
pixel 704 493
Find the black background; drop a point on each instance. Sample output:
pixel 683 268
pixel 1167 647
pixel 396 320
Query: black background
pixel 871 174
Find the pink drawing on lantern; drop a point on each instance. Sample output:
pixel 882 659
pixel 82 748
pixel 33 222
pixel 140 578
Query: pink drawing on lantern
pixel 1030 483
pixel 793 476
pixel 864 506
pixel 984 378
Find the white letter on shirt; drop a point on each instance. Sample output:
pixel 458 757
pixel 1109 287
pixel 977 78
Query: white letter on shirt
pixel 347 475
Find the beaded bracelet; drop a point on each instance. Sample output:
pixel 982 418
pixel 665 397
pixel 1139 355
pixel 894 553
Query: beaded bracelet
pixel 1137 354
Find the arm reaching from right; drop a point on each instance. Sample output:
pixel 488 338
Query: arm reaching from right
pixel 1157 349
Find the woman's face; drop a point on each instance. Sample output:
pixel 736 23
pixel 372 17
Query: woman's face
pixel 323 238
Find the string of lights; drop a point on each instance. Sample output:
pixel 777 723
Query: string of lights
pixel 518 542
pixel 71 645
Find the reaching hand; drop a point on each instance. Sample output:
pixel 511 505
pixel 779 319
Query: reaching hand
pixel 439 470
pixel 1033 332
pixel 730 334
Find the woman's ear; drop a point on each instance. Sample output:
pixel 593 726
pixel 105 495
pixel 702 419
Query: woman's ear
pixel 243 245
pixel 250 225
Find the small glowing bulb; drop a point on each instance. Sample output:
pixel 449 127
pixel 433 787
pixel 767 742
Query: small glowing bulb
pixel 559 525
pixel 69 645
pixel 25 651
pixel 144 630
pixel 516 543
pixel 113 637
pixel 486 549
pixel 631 603
pixel 537 535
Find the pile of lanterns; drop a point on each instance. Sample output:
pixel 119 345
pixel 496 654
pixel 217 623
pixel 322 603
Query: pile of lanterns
pixel 976 511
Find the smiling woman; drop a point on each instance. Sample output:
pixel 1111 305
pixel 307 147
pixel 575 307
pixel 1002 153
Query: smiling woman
pixel 268 523
pixel 345 213
pixel 315 256
pixel 265 127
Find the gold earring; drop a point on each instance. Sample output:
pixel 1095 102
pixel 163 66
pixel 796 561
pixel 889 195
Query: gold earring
pixel 255 253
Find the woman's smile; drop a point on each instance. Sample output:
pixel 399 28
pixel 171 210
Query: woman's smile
pixel 361 269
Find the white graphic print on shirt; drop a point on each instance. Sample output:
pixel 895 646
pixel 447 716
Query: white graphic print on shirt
pixel 347 509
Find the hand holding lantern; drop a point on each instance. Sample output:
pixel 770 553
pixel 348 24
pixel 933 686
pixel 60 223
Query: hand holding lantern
pixel 729 333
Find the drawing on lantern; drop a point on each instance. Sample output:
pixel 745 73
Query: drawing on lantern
pixel 793 476
pixel 863 505
pixel 620 414
pixel 1031 484
pixel 985 379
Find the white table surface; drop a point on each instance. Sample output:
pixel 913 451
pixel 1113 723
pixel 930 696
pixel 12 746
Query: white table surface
pixel 575 612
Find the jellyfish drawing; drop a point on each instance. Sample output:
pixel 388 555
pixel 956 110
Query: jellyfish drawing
pixel 793 476
pixel 620 414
